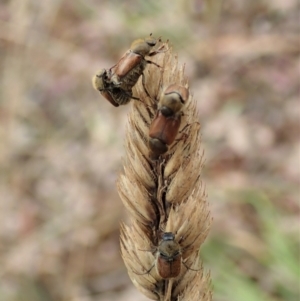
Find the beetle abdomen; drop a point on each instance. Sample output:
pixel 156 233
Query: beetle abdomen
pixel 122 97
pixel 128 81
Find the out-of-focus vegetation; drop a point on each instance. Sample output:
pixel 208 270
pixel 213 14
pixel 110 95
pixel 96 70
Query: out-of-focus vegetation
pixel 61 143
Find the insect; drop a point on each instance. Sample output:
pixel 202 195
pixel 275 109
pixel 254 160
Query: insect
pixel 133 63
pixel 166 123
pixel 168 257
pixel 113 93
pixel 168 261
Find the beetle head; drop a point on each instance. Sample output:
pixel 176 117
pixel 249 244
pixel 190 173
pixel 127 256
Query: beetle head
pixel 173 99
pixel 143 46
pixel 100 79
pixel 168 247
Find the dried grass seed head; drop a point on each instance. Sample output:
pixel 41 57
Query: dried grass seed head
pixel 172 190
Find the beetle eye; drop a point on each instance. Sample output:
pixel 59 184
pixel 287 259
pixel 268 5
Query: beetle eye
pixel 151 42
pixel 163 255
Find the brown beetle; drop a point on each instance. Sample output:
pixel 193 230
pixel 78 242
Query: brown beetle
pixel 133 63
pixel 168 261
pixel 168 257
pixel 166 123
pixel 114 94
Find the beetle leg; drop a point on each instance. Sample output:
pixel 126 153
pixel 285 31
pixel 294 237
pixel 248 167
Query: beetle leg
pixel 159 50
pixel 150 62
pixel 136 98
pixel 187 126
pixel 111 89
pixel 147 272
pixel 183 136
pixel 188 268
pixel 130 96
pixel 113 67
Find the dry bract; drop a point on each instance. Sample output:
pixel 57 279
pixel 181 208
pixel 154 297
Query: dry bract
pixel 164 196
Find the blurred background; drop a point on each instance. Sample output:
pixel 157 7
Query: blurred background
pixel 61 143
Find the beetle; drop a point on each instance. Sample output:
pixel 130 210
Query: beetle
pixel 168 261
pixel 168 257
pixel 133 63
pixel 113 93
pixel 165 125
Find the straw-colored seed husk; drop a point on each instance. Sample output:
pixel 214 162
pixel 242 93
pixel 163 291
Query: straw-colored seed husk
pixel 166 194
